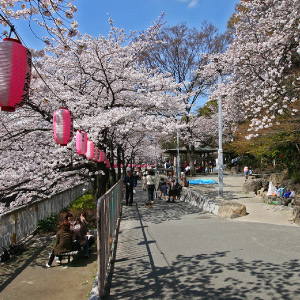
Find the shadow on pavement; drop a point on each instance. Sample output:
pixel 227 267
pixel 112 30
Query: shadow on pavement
pixel 193 277
pixel 202 276
pixel 160 212
pixel 17 264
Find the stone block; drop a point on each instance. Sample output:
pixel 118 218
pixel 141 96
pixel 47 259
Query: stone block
pixel 232 210
pixel 251 185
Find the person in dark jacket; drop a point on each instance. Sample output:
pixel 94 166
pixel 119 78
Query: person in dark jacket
pixel 63 242
pixel 130 183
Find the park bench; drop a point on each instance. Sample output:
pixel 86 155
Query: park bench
pixel 69 254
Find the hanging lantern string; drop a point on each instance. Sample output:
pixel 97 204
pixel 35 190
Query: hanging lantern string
pixel 12 29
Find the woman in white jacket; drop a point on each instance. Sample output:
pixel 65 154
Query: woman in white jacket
pixel 150 186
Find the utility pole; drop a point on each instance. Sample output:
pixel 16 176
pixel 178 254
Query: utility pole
pixel 220 150
pixel 178 153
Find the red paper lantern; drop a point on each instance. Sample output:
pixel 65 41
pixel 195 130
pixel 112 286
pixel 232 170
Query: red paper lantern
pixel 102 156
pixel 62 126
pixel 96 150
pixel 15 73
pixel 81 142
pixel 90 150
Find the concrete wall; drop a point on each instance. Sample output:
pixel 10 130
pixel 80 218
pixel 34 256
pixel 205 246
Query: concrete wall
pixel 19 223
pixel 196 199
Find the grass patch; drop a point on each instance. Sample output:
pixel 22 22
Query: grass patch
pixel 83 203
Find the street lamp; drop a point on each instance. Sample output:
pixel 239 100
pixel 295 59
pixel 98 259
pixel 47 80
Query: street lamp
pixel 220 150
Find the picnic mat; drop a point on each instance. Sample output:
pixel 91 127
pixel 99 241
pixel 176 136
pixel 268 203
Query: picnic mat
pixel 202 181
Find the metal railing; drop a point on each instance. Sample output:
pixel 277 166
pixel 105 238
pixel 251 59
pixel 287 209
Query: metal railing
pixel 108 213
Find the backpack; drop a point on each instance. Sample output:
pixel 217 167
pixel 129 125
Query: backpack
pixel 14 249
pixel 280 192
pixel 5 255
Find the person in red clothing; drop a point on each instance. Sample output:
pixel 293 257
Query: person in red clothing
pixel 185 165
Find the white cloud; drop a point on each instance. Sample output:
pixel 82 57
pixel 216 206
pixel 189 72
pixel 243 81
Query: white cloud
pixel 191 3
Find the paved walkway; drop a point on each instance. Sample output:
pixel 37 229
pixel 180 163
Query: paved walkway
pixel 173 251
pixel 25 277
pixel 256 209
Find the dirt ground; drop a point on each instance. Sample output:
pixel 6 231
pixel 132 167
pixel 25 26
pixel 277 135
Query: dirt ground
pixel 24 276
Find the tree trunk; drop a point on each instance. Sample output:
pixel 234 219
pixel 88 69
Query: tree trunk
pixel 119 161
pixel 100 183
pixel 113 176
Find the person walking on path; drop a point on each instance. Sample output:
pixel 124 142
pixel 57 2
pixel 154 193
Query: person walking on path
pixel 246 172
pixel 130 183
pixel 150 186
pixel 63 242
pixel 164 190
pixel 167 166
pixel 170 184
pixel 144 181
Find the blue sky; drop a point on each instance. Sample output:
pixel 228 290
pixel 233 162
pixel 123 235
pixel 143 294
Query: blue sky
pixel 92 15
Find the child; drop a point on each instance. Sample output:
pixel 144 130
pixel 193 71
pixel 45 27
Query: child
pixel 164 190
pixel 162 180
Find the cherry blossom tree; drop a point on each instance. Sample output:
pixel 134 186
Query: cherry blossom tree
pixel 112 96
pixel 179 52
pixel 56 16
pixel 261 66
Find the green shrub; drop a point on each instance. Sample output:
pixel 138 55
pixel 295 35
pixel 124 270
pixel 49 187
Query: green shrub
pixel 48 224
pixel 84 203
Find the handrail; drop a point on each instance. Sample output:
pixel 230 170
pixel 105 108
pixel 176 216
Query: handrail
pixel 108 213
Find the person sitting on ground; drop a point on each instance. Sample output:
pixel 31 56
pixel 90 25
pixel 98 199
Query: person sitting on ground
pixel 63 242
pixel 79 237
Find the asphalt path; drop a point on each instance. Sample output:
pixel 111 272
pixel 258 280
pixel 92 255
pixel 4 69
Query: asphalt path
pixel 174 251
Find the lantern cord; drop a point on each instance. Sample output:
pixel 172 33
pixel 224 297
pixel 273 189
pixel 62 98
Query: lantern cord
pixel 11 26
pixel 13 30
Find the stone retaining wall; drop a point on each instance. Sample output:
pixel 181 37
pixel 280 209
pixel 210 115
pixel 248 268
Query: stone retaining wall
pixel 19 223
pixel 196 199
